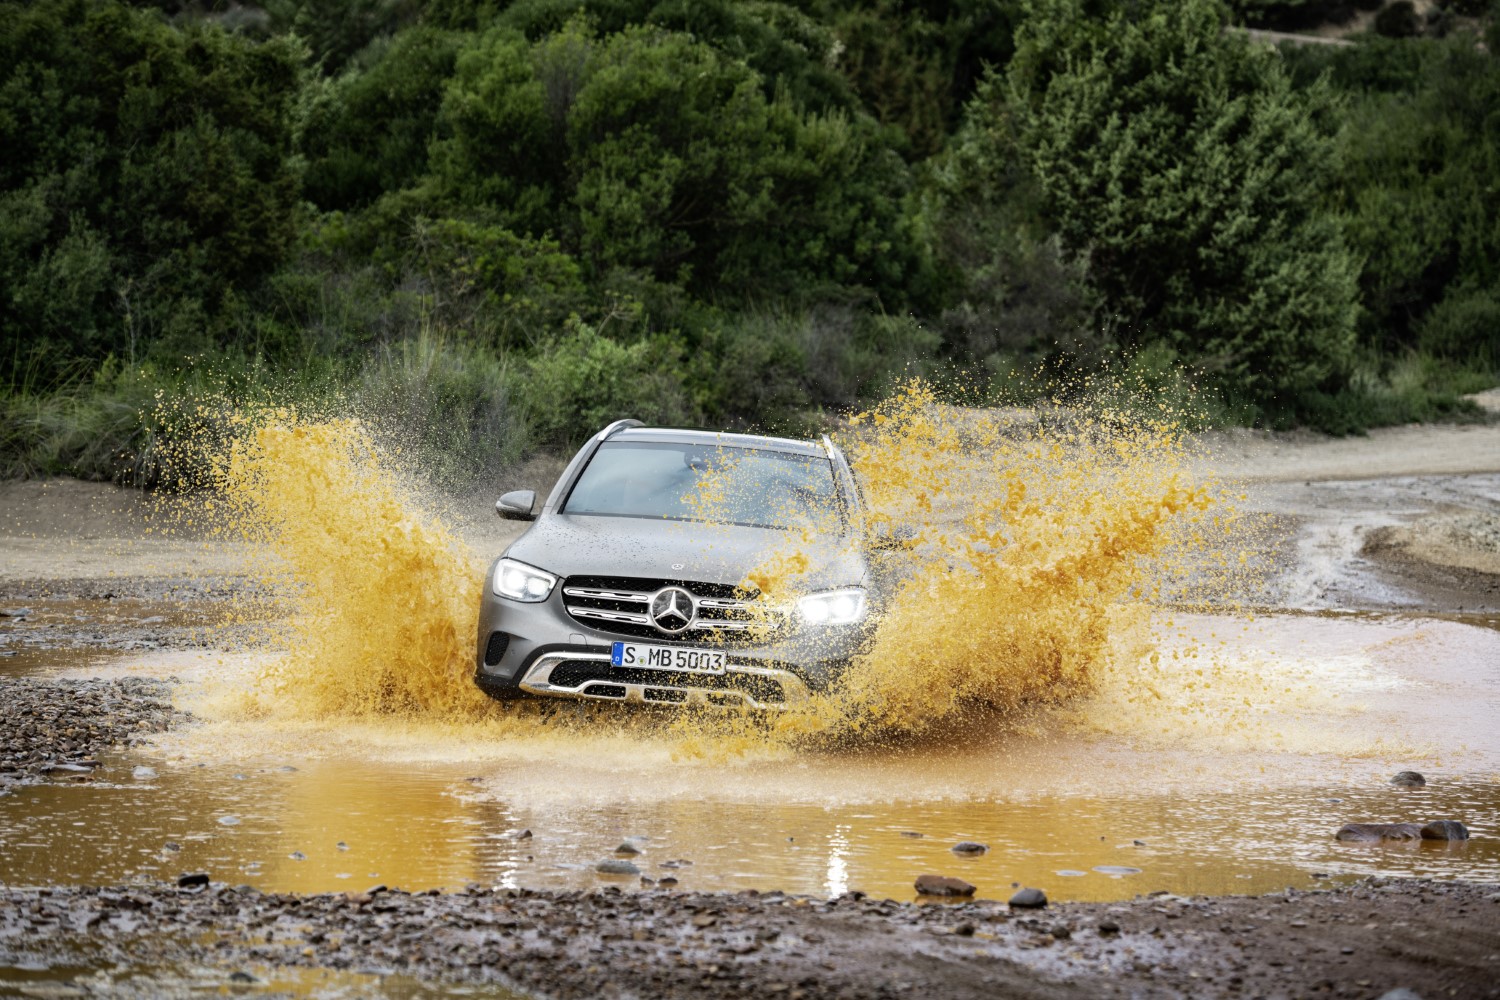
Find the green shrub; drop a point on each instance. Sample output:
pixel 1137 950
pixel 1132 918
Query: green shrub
pixel 1398 20
pixel 1465 327
pixel 1188 170
pixel 451 408
pixel 584 380
pixel 367 131
pixel 652 151
pixel 145 181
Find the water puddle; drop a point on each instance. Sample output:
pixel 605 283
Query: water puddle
pixel 1231 778
pixel 39 635
pixel 55 979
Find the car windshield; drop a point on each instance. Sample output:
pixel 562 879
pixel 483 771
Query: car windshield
pixel 693 482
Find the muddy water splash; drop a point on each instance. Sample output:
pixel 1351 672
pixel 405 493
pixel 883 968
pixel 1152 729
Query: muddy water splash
pixel 1033 550
pixel 1022 591
pixel 385 597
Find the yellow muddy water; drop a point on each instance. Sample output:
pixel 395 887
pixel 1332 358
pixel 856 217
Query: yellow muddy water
pixel 1084 813
pixel 1063 675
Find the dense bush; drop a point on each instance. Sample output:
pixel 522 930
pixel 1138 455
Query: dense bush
pixel 1398 19
pixel 1464 327
pixel 493 224
pixel 145 176
pixel 1420 155
pixel 649 150
pixel 1181 163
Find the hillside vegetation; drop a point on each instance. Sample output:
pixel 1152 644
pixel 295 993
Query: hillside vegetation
pixel 498 224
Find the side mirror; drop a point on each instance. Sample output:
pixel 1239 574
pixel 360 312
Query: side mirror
pixel 516 505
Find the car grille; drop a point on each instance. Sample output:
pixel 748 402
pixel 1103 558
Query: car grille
pixel 575 673
pixel 726 615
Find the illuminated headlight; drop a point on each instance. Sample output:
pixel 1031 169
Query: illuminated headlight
pixel 833 607
pixel 521 582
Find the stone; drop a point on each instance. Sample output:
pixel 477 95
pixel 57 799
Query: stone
pixel 341 846
pixel 67 769
pixel 242 977
pixel 614 866
pixel 229 821
pixel 1116 870
pixel 627 849
pixel 914 835
pixel 1029 899
pixel 192 881
pixel 1445 829
pixel 1108 927
pixel 969 847
pixel 1408 779
pixel 524 835
pixel 143 773
pixel 1375 832
pixel 1401 993
pixel 942 885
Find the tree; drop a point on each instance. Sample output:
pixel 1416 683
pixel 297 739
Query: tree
pixel 144 175
pixel 648 150
pixel 1180 161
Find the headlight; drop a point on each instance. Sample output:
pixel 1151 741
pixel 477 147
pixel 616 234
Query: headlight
pixel 521 582
pixel 833 607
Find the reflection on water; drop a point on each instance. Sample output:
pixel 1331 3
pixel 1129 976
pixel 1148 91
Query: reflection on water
pixel 1231 778
pixel 78 977
pixel 343 826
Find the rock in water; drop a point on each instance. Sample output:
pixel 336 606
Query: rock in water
pixel 627 848
pixel 143 773
pixel 1029 899
pixel 942 885
pixel 1408 779
pixel 193 880
pixel 1374 832
pixel 616 867
pixel 1445 829
pixel 970 847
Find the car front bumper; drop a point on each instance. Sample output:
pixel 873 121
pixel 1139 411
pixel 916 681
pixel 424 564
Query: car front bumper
pixel 538 649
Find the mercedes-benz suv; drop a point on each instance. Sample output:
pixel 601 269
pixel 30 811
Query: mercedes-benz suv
pixel 643 577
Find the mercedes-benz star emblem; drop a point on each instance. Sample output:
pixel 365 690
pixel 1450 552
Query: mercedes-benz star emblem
pixel 672 610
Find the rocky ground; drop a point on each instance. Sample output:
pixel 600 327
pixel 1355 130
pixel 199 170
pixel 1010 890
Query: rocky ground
pixel 1364 940
pixel 54 730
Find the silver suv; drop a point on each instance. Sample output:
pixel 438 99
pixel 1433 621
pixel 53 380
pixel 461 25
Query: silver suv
pixel 626 589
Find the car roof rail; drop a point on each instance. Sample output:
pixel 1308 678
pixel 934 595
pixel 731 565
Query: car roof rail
pixel 619 425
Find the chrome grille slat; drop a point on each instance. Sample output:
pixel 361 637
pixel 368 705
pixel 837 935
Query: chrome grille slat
pixel 607 595
pixel 727 605
pixel 610 616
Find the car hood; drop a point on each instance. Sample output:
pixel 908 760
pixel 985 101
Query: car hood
pixel 574 545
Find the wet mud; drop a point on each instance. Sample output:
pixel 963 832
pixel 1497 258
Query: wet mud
pixel 1433 938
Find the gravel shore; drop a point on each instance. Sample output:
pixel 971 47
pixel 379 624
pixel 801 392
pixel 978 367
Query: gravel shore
pixel 52 730
pixel 1435 939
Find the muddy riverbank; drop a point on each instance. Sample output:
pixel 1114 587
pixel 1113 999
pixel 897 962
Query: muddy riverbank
pixel 57 729
pixel 1434 939
pixel 1370 651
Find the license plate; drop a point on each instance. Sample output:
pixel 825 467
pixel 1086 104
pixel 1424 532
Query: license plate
pixel 640 654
